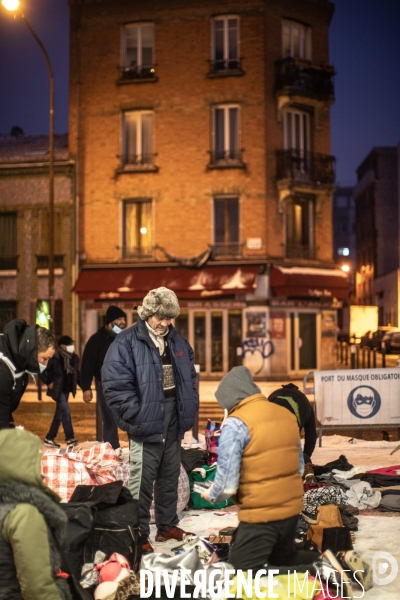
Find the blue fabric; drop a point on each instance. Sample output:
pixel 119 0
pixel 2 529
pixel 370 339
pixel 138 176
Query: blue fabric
pixel 233 440
pixel 132 379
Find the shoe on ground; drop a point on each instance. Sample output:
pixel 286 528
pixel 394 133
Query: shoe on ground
pixel 309 517
pixel 175 533
pixel 72 442
pixel 361 569
pixel 147 548
pixel 333 574
pixel 51 443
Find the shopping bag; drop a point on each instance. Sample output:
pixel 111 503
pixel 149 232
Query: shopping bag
pixel 212 433
pixel 205 474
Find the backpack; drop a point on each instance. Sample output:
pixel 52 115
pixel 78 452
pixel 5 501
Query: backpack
pixel 102 517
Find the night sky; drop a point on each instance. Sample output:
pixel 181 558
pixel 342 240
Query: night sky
pixel 364 48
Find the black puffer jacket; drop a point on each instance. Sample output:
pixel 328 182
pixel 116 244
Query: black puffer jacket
pixel 93 356
pixel 132 378
pixel 56 374
pixel 19 345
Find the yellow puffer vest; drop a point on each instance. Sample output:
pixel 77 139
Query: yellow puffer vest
pixel 270 487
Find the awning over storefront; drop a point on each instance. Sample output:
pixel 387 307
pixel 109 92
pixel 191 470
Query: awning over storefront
pixel 125 284
pixel 306 282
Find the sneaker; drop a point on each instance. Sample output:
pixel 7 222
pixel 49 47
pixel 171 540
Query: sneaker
pixel 147 548
pixel 51 443
pixel 72 442
pixel 175 533
pixel 332 572
pixel 362 571
pixel 309 517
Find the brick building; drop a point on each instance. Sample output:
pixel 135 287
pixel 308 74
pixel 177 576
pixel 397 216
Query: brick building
pixel 377 233
pixel 24 199
pixel 201 134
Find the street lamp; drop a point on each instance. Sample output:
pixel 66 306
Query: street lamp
pixel 13 5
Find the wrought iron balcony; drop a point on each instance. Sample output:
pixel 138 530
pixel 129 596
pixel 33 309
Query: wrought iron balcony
pixel 8 263
pixel 136 73
pixel 299 251
pixel 42 261
pixel 226 158
pixel 306 167
pixel 227 250
pixel 301 77
pixel 225 67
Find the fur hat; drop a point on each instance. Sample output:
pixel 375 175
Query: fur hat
pixel 161 302
pixel 114 312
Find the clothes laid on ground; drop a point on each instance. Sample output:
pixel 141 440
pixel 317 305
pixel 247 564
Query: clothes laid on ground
pixel 393 471
pixel 362 496
pixel 378 480
pixel 325 495
pixel 341 463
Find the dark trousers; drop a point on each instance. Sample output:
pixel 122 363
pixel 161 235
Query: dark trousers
pixel 62 415
pixel 157 464
pixel 109 426
pixel 269 545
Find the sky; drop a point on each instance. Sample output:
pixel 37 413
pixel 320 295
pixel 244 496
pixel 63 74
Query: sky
pixel 364 49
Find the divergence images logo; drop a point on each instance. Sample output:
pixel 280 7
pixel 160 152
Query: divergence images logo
pixel 381 561
pixel 364 402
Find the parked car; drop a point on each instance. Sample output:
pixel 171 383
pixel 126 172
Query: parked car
pixel 392 342
pixel 373 339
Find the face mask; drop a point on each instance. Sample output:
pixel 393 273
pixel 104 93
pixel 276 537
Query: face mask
pixel 70 348
pixel 116 329
pixel 42 367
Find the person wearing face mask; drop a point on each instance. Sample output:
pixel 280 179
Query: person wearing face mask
pixel 62 377
pixel 24 349
pixel 92 361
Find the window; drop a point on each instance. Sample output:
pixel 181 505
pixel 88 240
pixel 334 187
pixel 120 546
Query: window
pixel 296 130
pixel 138 129
pixel 42 256
pixel 226 227
pixel 300 228
pixel 226 142
pixel 8 241
pixel 225 46
pixel 8 312
pixel 138 51
pixel 137 228
pixel 296 40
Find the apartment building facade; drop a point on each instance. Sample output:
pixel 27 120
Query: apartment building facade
pixel 201 134
pixel 24 203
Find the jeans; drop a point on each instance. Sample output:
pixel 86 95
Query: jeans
pixel 62 415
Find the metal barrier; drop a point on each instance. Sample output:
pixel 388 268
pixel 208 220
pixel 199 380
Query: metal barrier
pixel 360 357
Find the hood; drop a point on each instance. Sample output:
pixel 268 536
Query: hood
pixel 235 386
pixel 21 458
pixel 21 345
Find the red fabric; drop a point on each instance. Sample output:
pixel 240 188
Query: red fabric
pixel 394 471
pixel 309 283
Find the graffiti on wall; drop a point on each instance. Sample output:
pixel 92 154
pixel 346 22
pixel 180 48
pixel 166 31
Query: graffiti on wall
pixel 258 347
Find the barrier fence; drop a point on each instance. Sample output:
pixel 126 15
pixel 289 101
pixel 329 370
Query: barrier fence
pixel 357 357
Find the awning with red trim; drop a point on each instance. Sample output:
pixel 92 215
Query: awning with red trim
pixel 125 284
pixel 308 282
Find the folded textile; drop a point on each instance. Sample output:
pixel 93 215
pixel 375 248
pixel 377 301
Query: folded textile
pixel 341 463
pixel 393 470
pixel 362 496
pixel 347 483
pixel 325 495
pixel 349 473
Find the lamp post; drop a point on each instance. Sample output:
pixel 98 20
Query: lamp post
pixel 13 5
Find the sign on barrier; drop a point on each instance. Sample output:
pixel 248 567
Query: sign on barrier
pixel 369 397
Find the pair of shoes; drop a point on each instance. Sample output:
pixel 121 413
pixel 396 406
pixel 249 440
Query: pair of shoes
pixel 175 533
pixel 51 443
pixel 308 475
pixel 147 548
pixel 362 571
pixel 72 442
pixel 309 517
pixel 332 573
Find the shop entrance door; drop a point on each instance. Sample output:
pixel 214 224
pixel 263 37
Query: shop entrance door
pixel 303 341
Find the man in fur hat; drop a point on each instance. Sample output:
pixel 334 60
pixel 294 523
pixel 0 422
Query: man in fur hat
pixel 149 383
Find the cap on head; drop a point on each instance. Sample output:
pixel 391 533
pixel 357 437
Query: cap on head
pixel 161 302
pixel 65 340
pixel 114 312
pixel 235 386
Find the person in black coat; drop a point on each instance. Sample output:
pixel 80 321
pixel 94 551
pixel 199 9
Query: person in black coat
pixel 24 349
pixel 62 377
pixel 92 361
pixel 294 400
pixel 149 383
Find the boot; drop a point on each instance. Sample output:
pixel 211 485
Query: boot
pixel 308 475
pixel 331 572
pixel 362 571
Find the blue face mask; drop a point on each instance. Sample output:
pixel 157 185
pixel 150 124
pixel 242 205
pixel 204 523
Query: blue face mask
pixel 42 367
pixel 116 329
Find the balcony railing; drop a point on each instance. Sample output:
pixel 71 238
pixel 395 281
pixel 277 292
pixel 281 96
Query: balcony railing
pixel 225 67
pixel 137 73
pixel 137 252
pixel 8 263
pixel 299 251
pixel 139 161
pixel 226 158
pixel 304 79
pixel 42 261
pixel 306 167
pixel 227 250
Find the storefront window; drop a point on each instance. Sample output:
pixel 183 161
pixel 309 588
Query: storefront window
pixel 216 342
pixel 182 324
pixel 235 335
pixel 200 339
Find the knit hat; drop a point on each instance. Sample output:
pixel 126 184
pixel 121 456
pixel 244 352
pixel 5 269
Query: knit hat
pixel 161 302
pixel 114 312
pixel 235 386
pixel 65 340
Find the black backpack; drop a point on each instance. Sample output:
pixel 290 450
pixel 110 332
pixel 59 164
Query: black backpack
pixel 102 517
